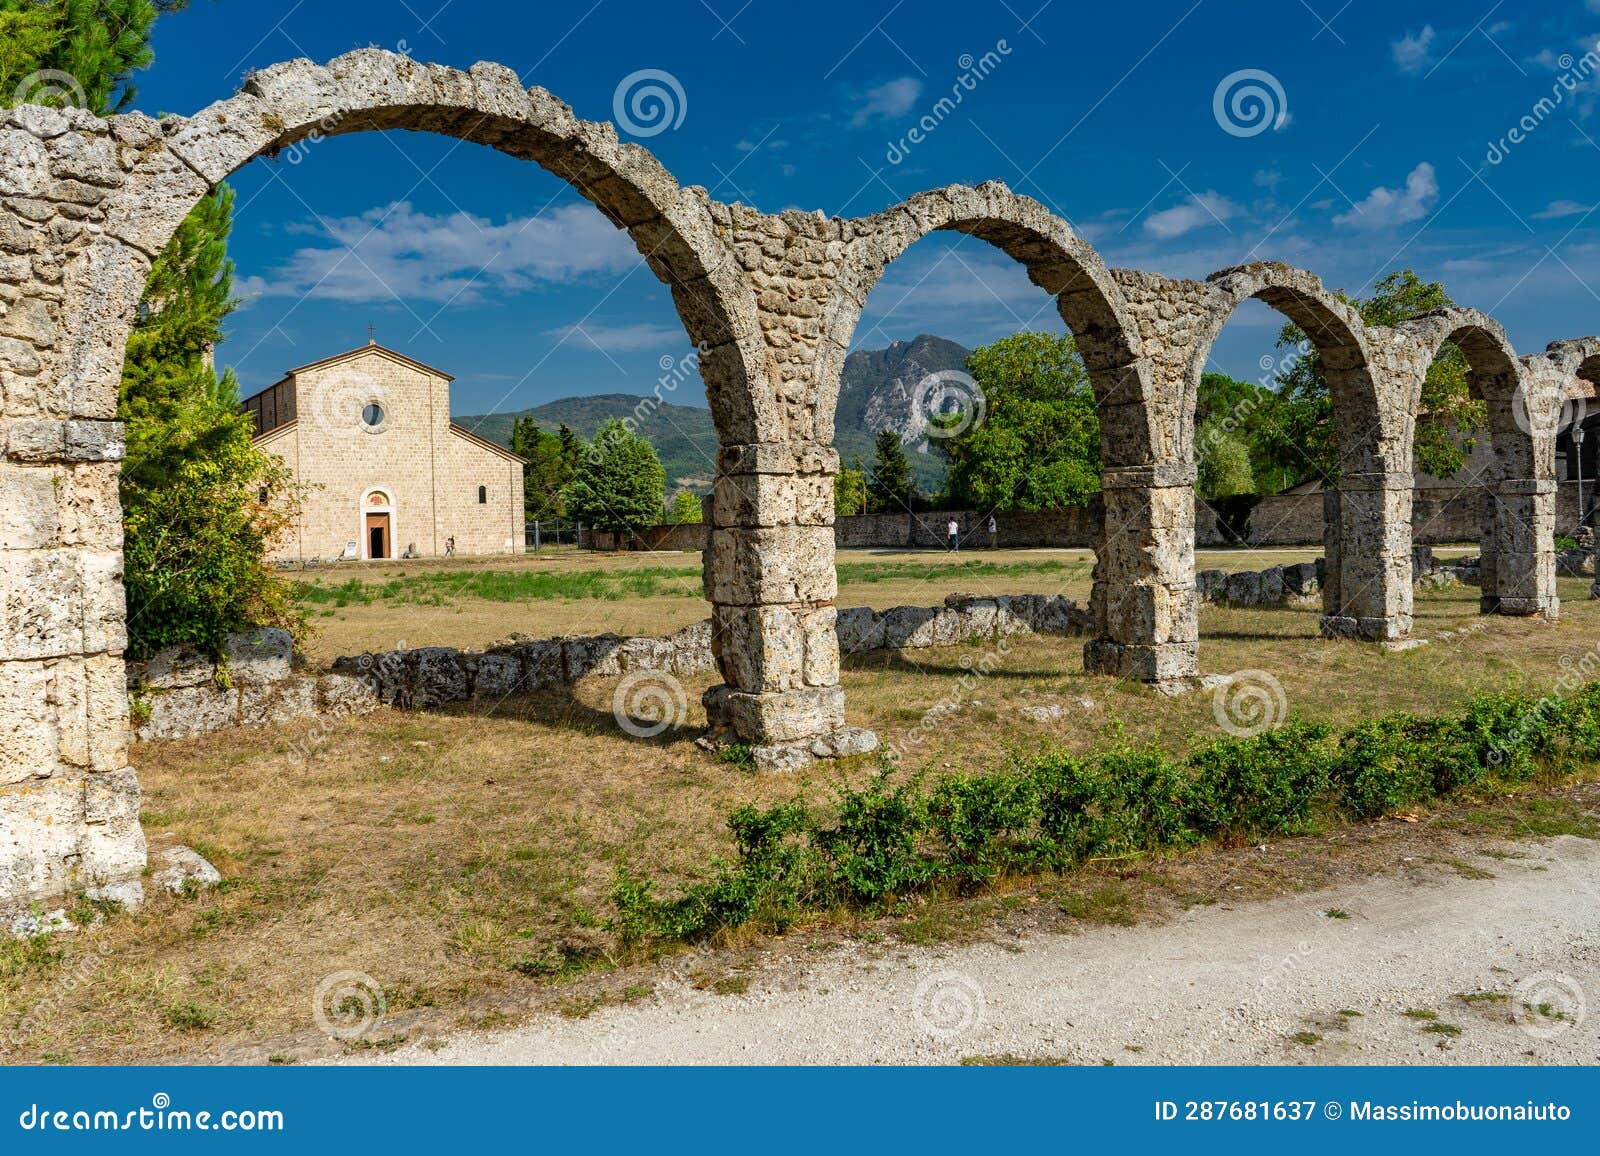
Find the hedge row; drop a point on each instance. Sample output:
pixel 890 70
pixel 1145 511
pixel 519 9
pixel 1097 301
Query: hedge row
pixel 1048 813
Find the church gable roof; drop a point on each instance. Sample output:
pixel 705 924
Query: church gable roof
pixel 370 348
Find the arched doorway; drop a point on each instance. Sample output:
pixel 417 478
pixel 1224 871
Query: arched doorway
pixel 377 525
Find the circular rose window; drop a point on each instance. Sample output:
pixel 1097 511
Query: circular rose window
pixel 372 416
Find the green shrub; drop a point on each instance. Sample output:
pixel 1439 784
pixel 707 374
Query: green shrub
pixel 983 823
pixel 1073 824
pixel 1393 762
pixel 870 852
pixel 1267 782
pixel 887 841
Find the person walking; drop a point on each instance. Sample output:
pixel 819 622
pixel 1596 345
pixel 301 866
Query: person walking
pixel 994 533
pixel 954 530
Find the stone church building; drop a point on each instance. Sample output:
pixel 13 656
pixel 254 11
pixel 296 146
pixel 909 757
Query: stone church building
pixel 386 473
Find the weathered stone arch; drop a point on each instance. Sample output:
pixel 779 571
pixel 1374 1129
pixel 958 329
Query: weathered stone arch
pixel 1144 601
pixel 770 300
pixel 373 90
pixel 1055 258
pixel 1520 489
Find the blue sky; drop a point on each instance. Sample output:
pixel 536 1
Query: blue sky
pixel 1386 143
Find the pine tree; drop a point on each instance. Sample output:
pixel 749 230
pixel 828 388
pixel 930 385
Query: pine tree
pixel 200 503
pixel 99 43
pixel 618 484
pixel 891 489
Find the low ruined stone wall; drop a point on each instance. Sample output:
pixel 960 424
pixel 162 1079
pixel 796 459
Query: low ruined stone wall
pixel 433 676
pixel 181 692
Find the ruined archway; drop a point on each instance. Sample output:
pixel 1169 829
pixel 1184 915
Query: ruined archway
pixel 1144 599
pixel 771 302
pixel 1519 499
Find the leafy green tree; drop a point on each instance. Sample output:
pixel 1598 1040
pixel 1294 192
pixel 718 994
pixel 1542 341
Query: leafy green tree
pixel 29 34
pixel 850 490
pixel 201 504
pixel 1303 438
pixel 1038 446
pixel 891 489
pixel 1224 463
pixel 618 484
pixel 684 509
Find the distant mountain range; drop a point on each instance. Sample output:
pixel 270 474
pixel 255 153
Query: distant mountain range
pixel 876 391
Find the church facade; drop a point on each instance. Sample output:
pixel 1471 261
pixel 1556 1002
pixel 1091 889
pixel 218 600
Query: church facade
pixel 383 470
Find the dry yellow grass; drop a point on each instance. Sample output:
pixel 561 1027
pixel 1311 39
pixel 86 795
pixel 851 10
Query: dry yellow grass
pixel 438 852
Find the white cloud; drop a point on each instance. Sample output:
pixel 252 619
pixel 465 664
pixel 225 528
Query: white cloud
pixel 1207 208
pixel 888 101
pixel 621 338
pixel 1556 210
pixel 1384 208
pixel 1268 178
pixel 395 252
pixel 1411 51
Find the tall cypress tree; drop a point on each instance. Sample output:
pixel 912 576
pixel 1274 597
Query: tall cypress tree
pixel 200 502
pixel 891 489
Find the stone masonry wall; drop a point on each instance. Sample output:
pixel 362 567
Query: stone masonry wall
pixel 771 304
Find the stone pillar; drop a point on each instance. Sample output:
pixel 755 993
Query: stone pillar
pixel 69 804
pixel 1367 537
pixel 1145 603
pixel 1520 538
pixel 770 578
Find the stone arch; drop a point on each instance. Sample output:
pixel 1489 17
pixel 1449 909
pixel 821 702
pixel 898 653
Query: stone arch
pixel 1518 506
pixel 1055 258
pixel 1143 603
pixel 374 90
pixel 1333 328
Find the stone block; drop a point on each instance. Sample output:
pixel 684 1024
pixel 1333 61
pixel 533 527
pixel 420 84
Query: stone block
pixel 496 675
pixel 438 676
pixel 645 654
pixel 1212 585
pixel 1147 663
pixel 343 694
pixel 859 629
pixel 820 641
pixel 41 604
pixel 591 657
pixel 542 664
pixel 759 648
pixel 173 667
pixel 1301 578
pixel 189 711
pixel 1272 586
pixel 905 627
pixel 266 703
pixel 263 655
pixel 1243 589
pixel 786 717
pixel 690 650
pixel 766 566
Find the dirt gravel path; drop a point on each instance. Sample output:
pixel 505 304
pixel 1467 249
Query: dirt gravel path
pixel 1507 966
